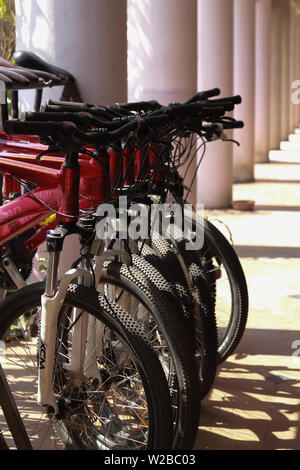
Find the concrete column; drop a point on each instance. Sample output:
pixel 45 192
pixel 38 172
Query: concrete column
pixel 275 107
pixel 297 51
pixel 162 55
pixel 285 70
pixel 215 61
pixel 244 85
pixel 86 38
pixel 89 39
pixel 262 78
pixel 293 65
pixel 162 45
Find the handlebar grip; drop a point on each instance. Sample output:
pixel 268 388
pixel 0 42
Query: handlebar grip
pixel 233 124
pixel 209 93
pixel 204 95
pixel 200 107
pixel 12 127
pixel 227 105
pixel 238 125
pixel 237 99
pixel 54 108
pixel 141 106
pixel 81 119
pixel 94 111
pixel 69 103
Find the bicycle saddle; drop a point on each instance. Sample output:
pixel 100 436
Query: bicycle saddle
pixel 32 61
pixel 33 75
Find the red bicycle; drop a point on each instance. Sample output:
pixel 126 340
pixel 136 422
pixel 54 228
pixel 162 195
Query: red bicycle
pixel 61 193
pixel 217 257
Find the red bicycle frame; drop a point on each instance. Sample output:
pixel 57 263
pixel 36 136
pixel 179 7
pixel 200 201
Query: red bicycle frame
pixel 26 212
pixel 57 189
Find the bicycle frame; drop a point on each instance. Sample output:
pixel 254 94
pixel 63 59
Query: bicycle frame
pixel 24 212
pixel 132 161
pixel 58 189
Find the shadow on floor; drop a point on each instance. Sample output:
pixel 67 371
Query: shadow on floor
pixel 251 408
pixel 268 342
pixel 258 251
pixel 273 180
pixel 287 208
pixel 255 401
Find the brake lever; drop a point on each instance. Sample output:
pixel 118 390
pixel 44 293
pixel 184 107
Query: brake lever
pixel 220 135
pixel 224 138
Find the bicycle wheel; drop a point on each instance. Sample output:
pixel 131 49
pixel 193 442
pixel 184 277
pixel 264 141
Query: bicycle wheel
pixel 192 291
pixel 165 327
pixel 227 284
pixel 126 407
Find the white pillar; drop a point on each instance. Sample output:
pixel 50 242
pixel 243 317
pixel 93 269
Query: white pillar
pixel 86 38
pixel 285 70
pixel 297 52
pixel 243 84
pixel 293 69
pixel 262 78
pixel 162 44
pixel 215 58
pixel 275 83
pixel 162 55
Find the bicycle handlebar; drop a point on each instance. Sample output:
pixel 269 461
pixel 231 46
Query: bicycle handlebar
pixel 85 120
pixel 82 119
pixel 202 95
pixel 203 111
pixel 69 130
pixel 64 106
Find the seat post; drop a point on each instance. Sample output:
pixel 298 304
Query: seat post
pixel 38 99
pixel 15 103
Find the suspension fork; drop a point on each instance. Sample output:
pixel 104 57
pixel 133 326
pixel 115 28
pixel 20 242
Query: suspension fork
pixel 51 302
pixel 83 361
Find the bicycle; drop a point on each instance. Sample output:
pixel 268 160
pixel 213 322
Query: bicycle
pixel 217 256
pixel 66 433
pixel 233 328
pixel 43 128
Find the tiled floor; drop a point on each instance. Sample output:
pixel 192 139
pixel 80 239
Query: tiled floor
pixel 255 402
